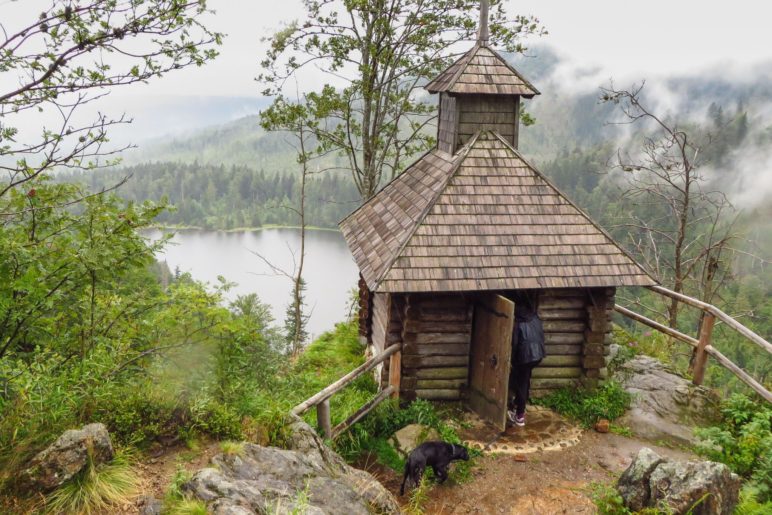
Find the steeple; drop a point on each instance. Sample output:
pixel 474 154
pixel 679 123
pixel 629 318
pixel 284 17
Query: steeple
pixel 479 91
pixel 482 32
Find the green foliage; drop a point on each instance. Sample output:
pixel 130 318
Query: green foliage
pixel 96 489
pixel 607 499
pixel 609 401
pixel 743 440
pixel 419 496
pixel 750 503
pixel 213 196
pixel 369 50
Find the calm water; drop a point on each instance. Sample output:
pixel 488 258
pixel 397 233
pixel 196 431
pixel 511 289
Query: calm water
pixel 329 269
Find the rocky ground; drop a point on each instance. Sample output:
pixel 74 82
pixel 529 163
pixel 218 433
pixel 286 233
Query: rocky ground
pixel 551 481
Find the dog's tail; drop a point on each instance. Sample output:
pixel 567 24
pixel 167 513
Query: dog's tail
pixel 404 477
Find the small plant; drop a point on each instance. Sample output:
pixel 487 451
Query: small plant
pixel 621 430
pixel 607 499
pixel 232 448
pixel 187 507
pixel 743 440
pixel 420 495
pixel 609 401
pixel 96 488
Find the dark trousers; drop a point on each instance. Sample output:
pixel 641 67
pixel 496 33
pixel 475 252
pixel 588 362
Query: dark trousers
pixel 520 384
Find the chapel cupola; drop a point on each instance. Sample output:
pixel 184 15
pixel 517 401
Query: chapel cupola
pixel 479 91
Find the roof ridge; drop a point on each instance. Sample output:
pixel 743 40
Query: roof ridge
pixel 395 179
pixel 459 156
pixel 512 69
pixel 571 202
pixel 458 62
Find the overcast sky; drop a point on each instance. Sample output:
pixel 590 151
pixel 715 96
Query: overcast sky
pixel 599 39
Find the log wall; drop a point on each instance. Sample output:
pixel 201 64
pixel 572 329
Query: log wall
pixel 436 335
pixel 365 312
pixel 494 112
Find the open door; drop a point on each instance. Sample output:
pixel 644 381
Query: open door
pixel 494 318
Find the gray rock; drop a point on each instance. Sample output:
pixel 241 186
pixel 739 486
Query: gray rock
pixel 308 478
pixel 678 487
pixel 665 405
pixel 410 437
pixel 67 456
pixel 149 505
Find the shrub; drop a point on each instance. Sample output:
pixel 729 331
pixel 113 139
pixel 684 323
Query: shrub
pixel 609 401
pixel 742 440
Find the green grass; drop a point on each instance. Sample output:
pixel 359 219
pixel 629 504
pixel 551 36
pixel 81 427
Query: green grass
pixel 587 406
pixel 187 507
pixel 231 448
pixel 95 489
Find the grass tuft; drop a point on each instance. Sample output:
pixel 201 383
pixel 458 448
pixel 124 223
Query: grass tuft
pixel 96 489
pixel 232 448
pixel 187 507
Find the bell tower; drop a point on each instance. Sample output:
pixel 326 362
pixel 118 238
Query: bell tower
pixel 479 91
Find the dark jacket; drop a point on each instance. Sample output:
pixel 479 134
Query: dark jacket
pixel 529 339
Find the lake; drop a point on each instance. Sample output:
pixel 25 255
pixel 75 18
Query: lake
pixel 329 270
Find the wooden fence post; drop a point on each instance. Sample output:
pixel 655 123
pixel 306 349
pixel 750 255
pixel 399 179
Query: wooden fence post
pixel 395 373
pixel 700 356
pixel 323 418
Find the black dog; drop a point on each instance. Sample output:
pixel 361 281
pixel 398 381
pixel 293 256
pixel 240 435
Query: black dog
pixel 436 455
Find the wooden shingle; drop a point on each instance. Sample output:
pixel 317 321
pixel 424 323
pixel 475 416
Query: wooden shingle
pixel 482 71
pixel 483 219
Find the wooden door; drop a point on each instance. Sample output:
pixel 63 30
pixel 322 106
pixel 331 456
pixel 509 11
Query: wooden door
pixel 494 318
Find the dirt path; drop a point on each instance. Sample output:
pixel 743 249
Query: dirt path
pixel 548 482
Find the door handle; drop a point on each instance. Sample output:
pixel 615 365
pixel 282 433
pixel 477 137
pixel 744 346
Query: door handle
pixel 494 361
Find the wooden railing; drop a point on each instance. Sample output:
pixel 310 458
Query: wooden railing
pixel 322 399
pixel 701 345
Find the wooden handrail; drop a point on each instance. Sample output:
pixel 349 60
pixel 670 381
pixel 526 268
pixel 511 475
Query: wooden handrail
pixel 361 412
pixel 713 310
pixel 703 345
pixel 739 372
pixel 345 380
pixel 656 325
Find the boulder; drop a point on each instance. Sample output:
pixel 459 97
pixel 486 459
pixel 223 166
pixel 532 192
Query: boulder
pixel 410 437
pixel 67 456
pixel 308 477
pixel 678 487
pixel 665 405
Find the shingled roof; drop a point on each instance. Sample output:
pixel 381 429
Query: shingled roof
pixel 483 71
pixel 483 219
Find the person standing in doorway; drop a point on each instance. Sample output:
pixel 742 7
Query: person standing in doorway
pixel 527 353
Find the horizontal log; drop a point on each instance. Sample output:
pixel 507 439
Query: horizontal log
pixel 713 310
pixel 361 412
pixel 436 349
pixel 442 373
pixel 439 394
pixel 434 361
pixel 656 325
pixel 439 301
pixel 344 381
pixel 546 303
pixel 740 373
pixel 441 316
pixel 429 384
pixel 430 326
pixel 564 326
pixel 437 337
pixel 564 338
pixel 562 314
pixel 563 292
pixel 540 372
pixel 571 350
pixel 552 383
pixel 561 361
